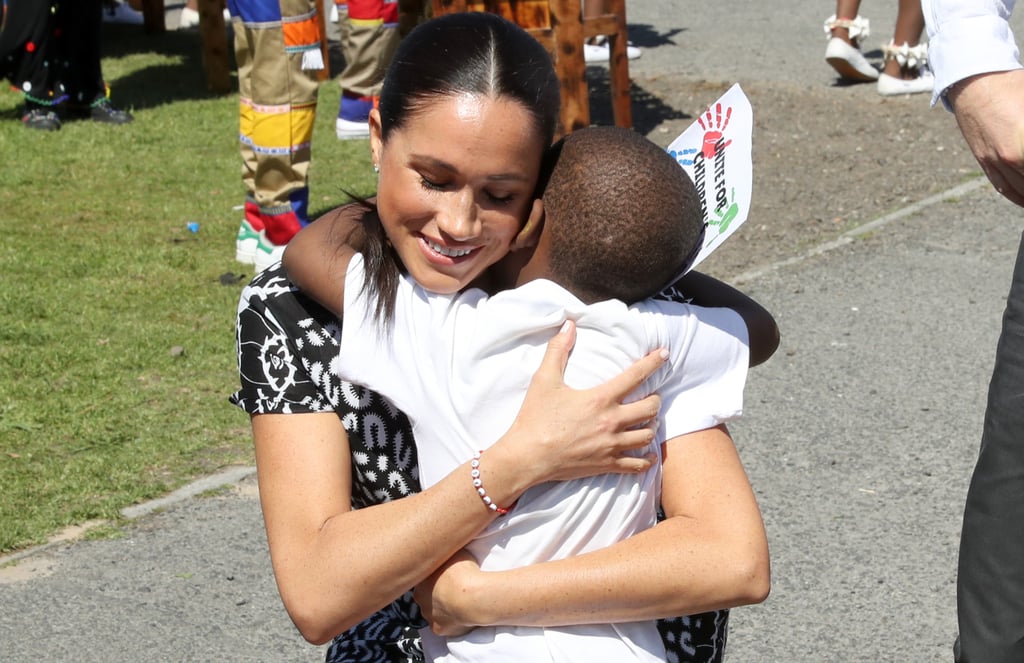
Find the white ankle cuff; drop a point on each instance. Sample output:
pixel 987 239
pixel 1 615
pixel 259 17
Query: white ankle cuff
pixel 911 57
pixel 858 27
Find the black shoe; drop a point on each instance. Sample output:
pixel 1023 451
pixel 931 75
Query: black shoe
pixel 40 118
pixel 104 112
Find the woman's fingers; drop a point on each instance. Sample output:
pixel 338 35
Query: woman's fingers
pixel 643 412
pixel 556 357
pixel 626 382
pixel 633 464
pixel 552 366
pixel 563 433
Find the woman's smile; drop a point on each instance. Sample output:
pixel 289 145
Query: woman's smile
pixel 448 252
pixel 456 184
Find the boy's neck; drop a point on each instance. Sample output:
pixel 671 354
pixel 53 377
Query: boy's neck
pixel 518 268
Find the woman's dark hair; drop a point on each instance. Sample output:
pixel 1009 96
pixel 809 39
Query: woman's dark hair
pixel 474 52
pixel 468 52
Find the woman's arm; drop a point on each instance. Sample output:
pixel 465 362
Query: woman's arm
pixel 704 290
pixel 710 553
pixel 335 566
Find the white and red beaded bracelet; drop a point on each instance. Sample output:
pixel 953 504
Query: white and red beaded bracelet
pixel 479 485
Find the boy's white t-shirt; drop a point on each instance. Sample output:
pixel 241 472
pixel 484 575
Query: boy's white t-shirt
pixel 459 367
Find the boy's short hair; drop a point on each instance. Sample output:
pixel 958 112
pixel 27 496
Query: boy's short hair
pixel 622 216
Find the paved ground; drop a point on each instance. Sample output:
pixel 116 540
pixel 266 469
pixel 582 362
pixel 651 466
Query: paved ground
pixel 859 434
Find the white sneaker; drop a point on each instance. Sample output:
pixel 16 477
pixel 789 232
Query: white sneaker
pixel 267 253
pixel 600 53
pixel 247 243
pixel 349 130
pixel 120 12
pixel 890 86
pixel 848 61
pixel 190 18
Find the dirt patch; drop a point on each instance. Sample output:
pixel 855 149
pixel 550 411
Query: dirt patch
pixel 27 569
pixel 27 565
pixel 826 159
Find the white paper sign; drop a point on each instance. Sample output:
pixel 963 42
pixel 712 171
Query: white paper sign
pixel 715 151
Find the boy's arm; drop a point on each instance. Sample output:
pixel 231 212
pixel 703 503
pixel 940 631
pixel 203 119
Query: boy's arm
pixel 316 259
pixel 704 290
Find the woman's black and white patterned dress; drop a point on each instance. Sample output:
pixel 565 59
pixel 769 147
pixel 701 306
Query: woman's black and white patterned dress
pixel 287 357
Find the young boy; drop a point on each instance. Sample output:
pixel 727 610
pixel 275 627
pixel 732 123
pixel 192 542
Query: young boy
pixel 621 220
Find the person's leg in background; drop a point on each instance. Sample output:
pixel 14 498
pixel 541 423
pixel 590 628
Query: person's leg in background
pixel 123 11
pixel 990 573
pixel 27 44
pixel 277 48
pixel 251 228
pixel 189 17
pixel 596 50
pixel 369 36
pixel 80 30
pixel 905 56
pixel 905 70
pixel 845 30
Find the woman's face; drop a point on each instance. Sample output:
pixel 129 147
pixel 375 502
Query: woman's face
pixel 455 186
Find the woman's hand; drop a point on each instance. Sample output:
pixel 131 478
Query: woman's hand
pixel 438 595
pixel 710 553
pixel 562 433
pixel 329 584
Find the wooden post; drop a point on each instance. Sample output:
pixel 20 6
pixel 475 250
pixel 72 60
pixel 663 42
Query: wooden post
pixel 153 22
pixel 618 72
pixel 216 57
pixel 321 21
pixel 567 23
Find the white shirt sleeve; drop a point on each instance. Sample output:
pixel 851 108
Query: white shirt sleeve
pixel 966 38
pixel 709 356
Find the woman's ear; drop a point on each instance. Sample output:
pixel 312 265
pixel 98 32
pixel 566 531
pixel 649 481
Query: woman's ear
pixel 530 234
pixel 376 138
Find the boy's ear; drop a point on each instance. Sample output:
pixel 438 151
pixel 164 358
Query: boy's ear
pixel 530 234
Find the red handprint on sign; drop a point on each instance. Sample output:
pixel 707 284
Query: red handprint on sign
pixel 713 128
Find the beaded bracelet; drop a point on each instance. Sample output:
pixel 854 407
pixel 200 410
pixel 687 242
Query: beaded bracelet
pixel 479 485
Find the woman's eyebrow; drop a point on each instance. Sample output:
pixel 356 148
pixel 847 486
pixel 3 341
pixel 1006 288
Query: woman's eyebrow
pixel 434 162
pixel 514 177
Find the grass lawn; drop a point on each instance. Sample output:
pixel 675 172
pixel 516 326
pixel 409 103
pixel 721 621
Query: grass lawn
pixel 116 321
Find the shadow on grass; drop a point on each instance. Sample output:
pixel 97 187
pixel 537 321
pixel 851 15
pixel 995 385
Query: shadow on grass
pixel 159 84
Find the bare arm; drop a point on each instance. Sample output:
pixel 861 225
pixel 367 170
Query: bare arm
pixel 710 553
pixel 335 566
pixel 761 327
pixel 317 257
pixel 989 109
